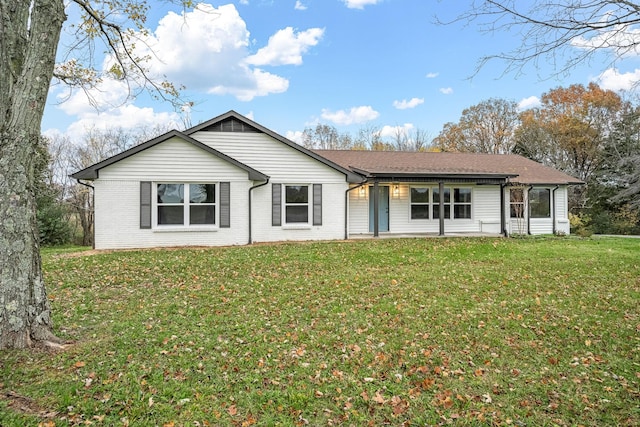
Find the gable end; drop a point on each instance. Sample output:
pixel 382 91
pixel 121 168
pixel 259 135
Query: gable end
pixel 230 124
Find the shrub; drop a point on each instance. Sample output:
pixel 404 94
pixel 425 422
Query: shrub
pixel 53 224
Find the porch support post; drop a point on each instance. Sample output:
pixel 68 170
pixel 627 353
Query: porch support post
pixel 441 206
pixel 376 203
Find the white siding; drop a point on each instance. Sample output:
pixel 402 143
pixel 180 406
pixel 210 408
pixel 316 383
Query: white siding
pixel 117 220
pixel 485 215
pixel 118 191
pixel 333 211
pixel 271 157
pixel 117 197
pixel 359 211
pixel 562 210
pixel 173 159
pixel 284 165
pixel 542 225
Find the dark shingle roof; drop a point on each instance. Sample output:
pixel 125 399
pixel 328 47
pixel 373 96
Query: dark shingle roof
pixel 516 169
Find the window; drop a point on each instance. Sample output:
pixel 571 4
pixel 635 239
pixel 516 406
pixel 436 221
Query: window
pixel 516 202
pixel 462 203
pixel 540 202
pixel 446 201
pixel 296 204
pixel 186 204
pixel 419 203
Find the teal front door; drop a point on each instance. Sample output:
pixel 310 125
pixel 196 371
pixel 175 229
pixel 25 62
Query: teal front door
pixel 383 208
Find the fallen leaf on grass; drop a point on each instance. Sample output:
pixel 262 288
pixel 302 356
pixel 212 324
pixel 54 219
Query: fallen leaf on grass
pixel 379 398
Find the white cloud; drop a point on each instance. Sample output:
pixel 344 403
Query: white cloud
pixel 356 115
pixel 393 131
pixel 125 117
pixel 107 94
pixel 286 47
pixel 359 4
pixel 263 84
pixel 446 90
pixel 622 41
pixel 207 49
pixel 530 102
pixel 432 75
pixel 300 6
pixel 404 104
pixel 613 79
pixel 295 136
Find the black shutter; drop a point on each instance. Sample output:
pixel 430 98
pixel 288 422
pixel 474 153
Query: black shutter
pixel 276 205
pixel 145 204
pixel 317 204
pixel 225 205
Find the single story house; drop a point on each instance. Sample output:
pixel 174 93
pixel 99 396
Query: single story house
pixel 231 181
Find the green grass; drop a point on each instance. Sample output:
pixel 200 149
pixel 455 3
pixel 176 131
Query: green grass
pixel 409 332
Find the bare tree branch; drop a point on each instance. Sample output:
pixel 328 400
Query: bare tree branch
pixel 563 34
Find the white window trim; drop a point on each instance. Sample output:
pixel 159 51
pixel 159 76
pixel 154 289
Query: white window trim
pixel 297 225
pixel 451 203
pixel 551 207
pixel 427 204
pixel 184 227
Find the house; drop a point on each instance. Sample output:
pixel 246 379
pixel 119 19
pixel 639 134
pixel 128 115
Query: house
pixel 231 181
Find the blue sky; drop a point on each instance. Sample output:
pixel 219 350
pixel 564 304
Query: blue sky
pixel 352 64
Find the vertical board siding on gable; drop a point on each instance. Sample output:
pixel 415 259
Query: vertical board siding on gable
pixel 271 157
pixel 117 221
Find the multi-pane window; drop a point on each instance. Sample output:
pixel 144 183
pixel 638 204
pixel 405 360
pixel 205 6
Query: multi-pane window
pixel 540 202
pixel 419 203
pixel 296 204
pixel 516 202
pixel 186 204
pixel 462 203
pixel 446 200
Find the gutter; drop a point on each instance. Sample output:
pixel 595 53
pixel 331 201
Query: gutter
pixel 250 204
pixel 346 208
pixel 553 212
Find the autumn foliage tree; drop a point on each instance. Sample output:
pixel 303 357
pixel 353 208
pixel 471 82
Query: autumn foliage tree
pixel 569 131
pixel 487 127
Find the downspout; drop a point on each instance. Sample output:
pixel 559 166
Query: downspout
pixel 553 212
pixel 529 211
pixel 503 222
pixel 93 204
pixel 441 207
pixel 250 190
pixel 346 208
pixel 376 205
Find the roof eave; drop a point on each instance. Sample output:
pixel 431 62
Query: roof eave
pixel 92 172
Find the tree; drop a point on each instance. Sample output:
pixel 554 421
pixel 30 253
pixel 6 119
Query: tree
pixel 410 139
pixel 487 127
pixel 564 34
pixel 28 48
pixel 621 163
pixel 569 131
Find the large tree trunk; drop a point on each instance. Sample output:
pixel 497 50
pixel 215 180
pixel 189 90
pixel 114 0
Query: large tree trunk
pixel 29 34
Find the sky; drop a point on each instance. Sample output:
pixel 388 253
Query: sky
pixel 293 64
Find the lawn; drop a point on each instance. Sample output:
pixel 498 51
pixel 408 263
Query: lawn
pixel 525 332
